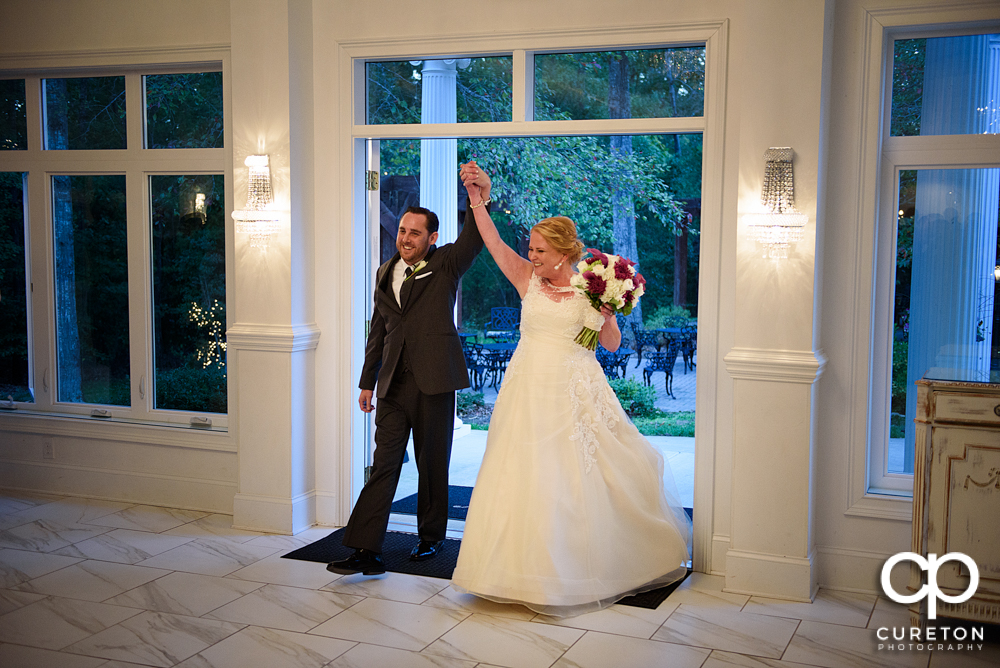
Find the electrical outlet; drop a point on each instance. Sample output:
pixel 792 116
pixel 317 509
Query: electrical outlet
pixel 48 450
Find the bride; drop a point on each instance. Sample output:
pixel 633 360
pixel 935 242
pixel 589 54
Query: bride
pixel 569 512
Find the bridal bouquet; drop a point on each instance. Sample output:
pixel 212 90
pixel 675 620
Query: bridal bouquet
pixel 607 279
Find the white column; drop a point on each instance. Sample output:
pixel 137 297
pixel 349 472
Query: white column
pixel 775 360
pixel 439 157
pixel 272 335
pixel 955 227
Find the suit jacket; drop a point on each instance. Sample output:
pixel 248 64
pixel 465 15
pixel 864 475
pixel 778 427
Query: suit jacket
pixel 424 323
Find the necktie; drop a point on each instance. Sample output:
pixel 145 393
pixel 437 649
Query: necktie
pixel 404 291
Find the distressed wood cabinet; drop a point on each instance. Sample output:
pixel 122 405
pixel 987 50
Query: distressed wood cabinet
pixel 956 493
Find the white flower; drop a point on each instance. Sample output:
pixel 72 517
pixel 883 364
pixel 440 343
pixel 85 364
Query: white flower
pixel 615 288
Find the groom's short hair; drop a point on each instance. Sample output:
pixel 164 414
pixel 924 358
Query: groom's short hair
pixel 429 217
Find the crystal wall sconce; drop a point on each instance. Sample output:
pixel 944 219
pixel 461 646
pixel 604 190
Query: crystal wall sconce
pixel 780 225
pixel 258 219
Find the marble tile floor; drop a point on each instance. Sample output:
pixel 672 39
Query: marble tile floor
pixel 88 583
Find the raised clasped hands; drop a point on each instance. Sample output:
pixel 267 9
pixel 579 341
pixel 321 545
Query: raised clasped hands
pixel 476 181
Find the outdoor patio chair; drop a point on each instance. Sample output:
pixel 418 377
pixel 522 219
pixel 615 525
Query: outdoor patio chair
pixel 496 365
pixel 613 363
pixel 689 344
pixel 477 363
pixel 662 361
pixel 504 323
pixel 643 338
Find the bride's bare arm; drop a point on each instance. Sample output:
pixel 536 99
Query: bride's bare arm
pixel 514 267
pixel 609 336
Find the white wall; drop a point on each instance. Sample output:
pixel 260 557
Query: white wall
pixel 158 465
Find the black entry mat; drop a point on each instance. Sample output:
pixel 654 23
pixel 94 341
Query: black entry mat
pixel 396 553
pixel 458 503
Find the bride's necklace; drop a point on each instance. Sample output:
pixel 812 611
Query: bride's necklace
pixel 568 286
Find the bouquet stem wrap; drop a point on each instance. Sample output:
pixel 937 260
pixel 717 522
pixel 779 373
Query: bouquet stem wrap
pixel 587 338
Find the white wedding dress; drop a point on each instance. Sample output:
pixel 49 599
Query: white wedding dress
pixel 570 512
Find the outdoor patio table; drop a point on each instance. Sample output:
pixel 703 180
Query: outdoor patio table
pixel 497 356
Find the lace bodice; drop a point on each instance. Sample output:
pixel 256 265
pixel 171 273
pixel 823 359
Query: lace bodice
pixel 552 311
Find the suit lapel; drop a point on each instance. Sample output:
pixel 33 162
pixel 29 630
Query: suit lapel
pixel 410 283
pixel 384 284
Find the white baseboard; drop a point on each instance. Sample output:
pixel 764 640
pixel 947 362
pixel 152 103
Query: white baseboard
pixel 274 514
pixel 155 489
pixel 720 547
pixel 852 570
pixel 756 574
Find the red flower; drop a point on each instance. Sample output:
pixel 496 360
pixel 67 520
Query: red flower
pixel 598 255
pixel 622 269
pixel 595 284
pixel 638 280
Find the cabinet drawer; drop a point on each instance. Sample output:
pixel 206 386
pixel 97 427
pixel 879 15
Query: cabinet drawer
pixel 967 408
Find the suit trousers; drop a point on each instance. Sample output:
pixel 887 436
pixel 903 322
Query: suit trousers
pixel 432 420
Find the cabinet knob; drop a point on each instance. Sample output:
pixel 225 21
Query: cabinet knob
pixel 996 409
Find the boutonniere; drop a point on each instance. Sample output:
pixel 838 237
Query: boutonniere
pixel 416 268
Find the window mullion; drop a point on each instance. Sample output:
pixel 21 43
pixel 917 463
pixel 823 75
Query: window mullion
pixel 135 108
pixel 41 297
pixel 140 292
pixel 523 86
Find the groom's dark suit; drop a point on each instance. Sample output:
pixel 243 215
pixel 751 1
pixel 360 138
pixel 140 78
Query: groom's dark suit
pixel 415 355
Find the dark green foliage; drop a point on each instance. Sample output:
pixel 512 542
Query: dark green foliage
pixel 192 389
pixel 13 291
pixel 668 316
pixel 637 399
pixel 468 400
pixel 184 110
pixel 907 86
pixel 100 269
pixel 13 116
pixel 189 279
pixel 898 401
pixel 484 285
pixel 482 92
pixel 662 83
pixel 85 113
pixel 112 392
pixel 901 298
pixel 473 410
pixel 680 423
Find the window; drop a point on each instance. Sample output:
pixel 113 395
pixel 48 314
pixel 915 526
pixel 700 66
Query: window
pixel 481 92
pixel 15 383
pixel 937 231
pixel 13 115
pixel 131 167
pixel 647 83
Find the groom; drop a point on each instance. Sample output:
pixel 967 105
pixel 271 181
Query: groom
pixel 414 357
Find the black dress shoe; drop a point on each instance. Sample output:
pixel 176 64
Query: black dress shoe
pixel 425 549
pixel 362 561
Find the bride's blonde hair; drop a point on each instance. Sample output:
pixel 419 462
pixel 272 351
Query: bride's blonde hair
pixel 560 232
